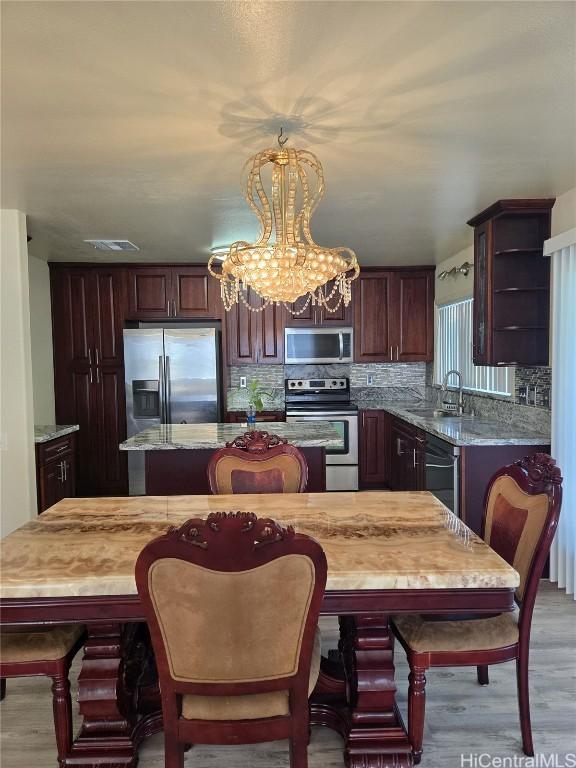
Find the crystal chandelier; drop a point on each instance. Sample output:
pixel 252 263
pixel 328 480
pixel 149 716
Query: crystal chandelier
pixel 284 263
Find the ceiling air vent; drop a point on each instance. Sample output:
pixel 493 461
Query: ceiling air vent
pixel 113 245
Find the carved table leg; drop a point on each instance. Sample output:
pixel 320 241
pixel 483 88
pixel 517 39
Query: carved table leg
pixel 376 736
pixel 114 667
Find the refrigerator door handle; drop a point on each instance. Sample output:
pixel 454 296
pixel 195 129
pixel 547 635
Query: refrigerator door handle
pixel 168 385
pixel 162 389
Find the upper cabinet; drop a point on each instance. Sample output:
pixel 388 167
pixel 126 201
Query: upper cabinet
pixel 394 315
pixel 319 316
pixel 173 292
pixel 511 283
pixel 254 336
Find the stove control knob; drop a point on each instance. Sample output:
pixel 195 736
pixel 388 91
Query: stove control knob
pixel 299 383
pixel 342 384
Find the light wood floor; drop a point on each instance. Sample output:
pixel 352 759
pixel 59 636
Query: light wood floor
pixel 462 717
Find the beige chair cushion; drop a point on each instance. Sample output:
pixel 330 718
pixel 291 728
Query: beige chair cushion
pixel 277 474
pixel 247 607
pixel 249 707
pixel 465 635
pixel 514 523
pixel 38 644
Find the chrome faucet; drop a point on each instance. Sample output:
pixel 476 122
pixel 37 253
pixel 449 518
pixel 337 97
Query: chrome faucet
pixel 447 404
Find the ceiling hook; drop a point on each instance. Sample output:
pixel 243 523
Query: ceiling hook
pixel 281 141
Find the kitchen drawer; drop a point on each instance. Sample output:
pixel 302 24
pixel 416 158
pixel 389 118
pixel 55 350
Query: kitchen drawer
pixel 55 449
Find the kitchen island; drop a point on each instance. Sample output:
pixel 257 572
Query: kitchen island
pixel 177 455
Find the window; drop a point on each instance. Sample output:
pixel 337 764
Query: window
pixel 454 351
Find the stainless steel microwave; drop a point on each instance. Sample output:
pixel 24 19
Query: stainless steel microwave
pixel 318 345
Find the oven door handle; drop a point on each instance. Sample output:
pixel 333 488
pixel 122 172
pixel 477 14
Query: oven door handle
pixel 438 466
pixel 309 414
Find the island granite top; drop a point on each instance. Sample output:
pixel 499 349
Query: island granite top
pixel 462 431
pixel 309 434
pixel 45 432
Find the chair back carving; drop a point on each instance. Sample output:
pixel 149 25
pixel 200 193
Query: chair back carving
pixel 521 511
pixel 258 462
pixel 232 603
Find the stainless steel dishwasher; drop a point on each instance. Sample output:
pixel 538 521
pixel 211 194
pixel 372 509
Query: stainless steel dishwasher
pixel 443 471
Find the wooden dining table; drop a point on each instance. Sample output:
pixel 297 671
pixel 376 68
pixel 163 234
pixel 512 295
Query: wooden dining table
pixel 388 553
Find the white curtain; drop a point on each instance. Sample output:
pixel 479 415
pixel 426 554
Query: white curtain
pixel 562 250
pixel 453 350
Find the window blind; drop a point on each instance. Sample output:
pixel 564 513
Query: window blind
pixel 454 351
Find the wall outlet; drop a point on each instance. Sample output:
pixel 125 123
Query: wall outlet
pixel 242 382
pixel 370 380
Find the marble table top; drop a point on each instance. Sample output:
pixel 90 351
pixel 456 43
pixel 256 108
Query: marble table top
pixel 308 434
pixel 466 430
pixel 376 540
pixel 45 432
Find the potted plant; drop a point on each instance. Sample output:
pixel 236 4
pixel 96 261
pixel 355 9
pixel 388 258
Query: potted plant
pixel 255 404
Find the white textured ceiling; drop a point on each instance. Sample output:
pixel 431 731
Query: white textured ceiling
pixel 133 119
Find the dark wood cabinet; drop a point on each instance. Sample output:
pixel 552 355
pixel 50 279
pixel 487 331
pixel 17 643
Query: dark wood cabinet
pixel 239 417
pixel 407 457
pixel 186 292
pixel 88 310
pixel 413 311
pixel 55 470
pixel 374 449
pixel 394 316
pixel 319 316
pixel 511 283
pixel 254 336
pixel 150 292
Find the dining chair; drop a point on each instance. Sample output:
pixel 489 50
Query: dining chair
pixel 232 603
pixel 521 510
pixel 258 462
pixel 49 652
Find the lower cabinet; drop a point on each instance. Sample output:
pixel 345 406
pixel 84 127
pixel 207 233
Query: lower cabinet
pixel 374 449
pixel 392 453
pixel 55 470
pixel 407 457
pixel 239 417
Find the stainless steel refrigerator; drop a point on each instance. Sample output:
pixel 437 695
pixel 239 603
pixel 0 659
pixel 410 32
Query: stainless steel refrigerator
pixel 172 377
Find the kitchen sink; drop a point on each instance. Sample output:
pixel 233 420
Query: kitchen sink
pixel 429 412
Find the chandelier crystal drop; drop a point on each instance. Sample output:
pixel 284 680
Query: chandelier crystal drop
pixel 285 263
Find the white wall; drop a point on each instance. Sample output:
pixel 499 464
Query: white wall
pixel 564 212
pixel 17 464
pixel 41 341
pixel 455 287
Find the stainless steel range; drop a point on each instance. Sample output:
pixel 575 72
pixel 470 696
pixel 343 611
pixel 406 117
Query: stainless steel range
pixel 329 400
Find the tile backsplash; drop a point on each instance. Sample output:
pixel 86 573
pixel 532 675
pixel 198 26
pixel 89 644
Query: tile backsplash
pixel 506 409
pixel 390 381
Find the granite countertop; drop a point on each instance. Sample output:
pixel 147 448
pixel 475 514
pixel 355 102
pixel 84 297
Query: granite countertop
pixel 462 431
pixel 309 434
pixel 45 432
pixel 378 540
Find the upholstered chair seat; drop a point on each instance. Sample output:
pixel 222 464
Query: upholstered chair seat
pixel 423 635
pixel 521 510
pixel 251 706
pixel 48 652
pixel 38 644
